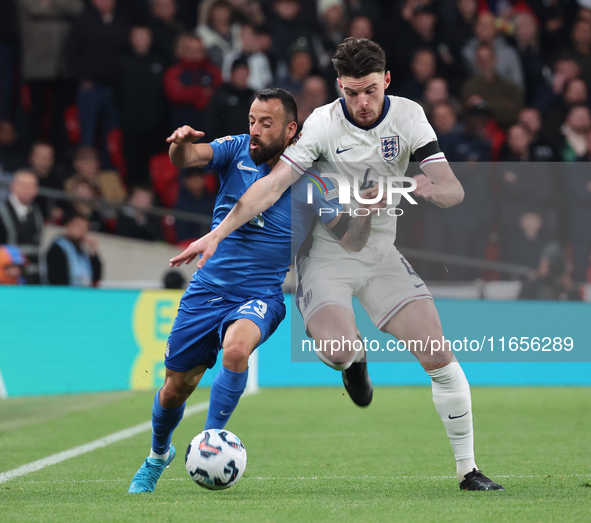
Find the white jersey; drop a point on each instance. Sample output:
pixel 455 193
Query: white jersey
pixel 362 155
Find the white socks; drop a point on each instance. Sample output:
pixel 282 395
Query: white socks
pixel 159 456
pixel 451 396
pixel 356 355
pixel 336 366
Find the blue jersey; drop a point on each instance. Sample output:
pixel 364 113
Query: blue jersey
pixel 252 261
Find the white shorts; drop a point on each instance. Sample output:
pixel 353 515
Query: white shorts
pixel 383 288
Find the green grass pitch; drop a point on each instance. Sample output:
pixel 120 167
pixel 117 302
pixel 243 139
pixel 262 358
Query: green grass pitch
pixel 312 457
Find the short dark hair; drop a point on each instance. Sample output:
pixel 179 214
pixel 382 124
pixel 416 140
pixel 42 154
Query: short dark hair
pixel 288 102
pixel 357 57
pixel 72 214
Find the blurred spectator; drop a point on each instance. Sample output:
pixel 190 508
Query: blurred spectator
pixel 313 95
pixel 288 27
pixel 44 28
pixel 334 26
pixel 470 145
pixel 174 280
pixel 82 189
pixel 565 68
pixel 191 83
pixel 573 93
pixel 12 265
pixel 228 109
pixel 371 10
pixel 21 220
pixel 105 184
pixel 11 157
pixel 248 12
pixel 445 123
pixel 252 44
pixel 581 47
pixel 517 148
pixel 551 281
pixel 42 164
pixel 73 258
pixel 194 196
pixel 415 28
pixel 501 96
pixel 361 27
pixel 144 131
pixel 216 29
pixel 301 65
pixel 423 67
pixel 97 38
pixel 458 24
pixel 579 196
pixel 531 119
pixel 574 144
pixel 9 48
pixel 507 63
pixel 134 222
pixel 528 47
pixel 165 29
pixel 527 245
pixel 523 187
pixel 437 91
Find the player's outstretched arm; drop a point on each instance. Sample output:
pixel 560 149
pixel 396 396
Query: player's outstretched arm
pixel 440 185
pixel 358 228
pixel 184 153
pixel 258 198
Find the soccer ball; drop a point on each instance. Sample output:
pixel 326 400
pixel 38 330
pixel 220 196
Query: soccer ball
pixel 215 459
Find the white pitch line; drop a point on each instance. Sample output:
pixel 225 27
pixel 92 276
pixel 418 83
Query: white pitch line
pixel 93 445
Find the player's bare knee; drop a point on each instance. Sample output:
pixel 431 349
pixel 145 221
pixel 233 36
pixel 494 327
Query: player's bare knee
pixel 235 356
pixel 172 395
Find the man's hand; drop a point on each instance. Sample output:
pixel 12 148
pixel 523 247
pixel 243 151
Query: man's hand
pixel 205 246
pixel 360 227
pixel 184 153
pixel 424 188
pixel 184 135
pixel 371 193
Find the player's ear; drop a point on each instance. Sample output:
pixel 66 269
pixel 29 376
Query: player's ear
pixel 387 80
pixel 290 132
pixel 340 85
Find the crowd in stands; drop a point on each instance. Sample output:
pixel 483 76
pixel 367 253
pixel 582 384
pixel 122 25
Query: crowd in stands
pixel 89 90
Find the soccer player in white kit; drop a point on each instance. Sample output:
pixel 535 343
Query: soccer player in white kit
pixel 365 137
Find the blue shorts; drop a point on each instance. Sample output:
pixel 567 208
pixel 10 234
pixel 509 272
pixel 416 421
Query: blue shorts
pixel 203 318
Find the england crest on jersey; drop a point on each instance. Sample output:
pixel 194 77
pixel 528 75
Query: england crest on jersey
pixel 389 148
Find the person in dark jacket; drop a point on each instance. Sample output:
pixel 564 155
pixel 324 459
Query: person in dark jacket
pixel 73 257
pixel 144 106
pixel 194 196
pixel 133 222
pixel 93 47
pixel 21 220
pixel 227 112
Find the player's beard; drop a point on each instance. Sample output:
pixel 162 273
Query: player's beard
pixel 263 153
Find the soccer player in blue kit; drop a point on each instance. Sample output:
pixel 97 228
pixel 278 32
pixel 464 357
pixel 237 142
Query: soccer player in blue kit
pixel 235 303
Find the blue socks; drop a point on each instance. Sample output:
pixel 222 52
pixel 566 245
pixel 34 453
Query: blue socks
pixel 226 390
pixel 164 421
